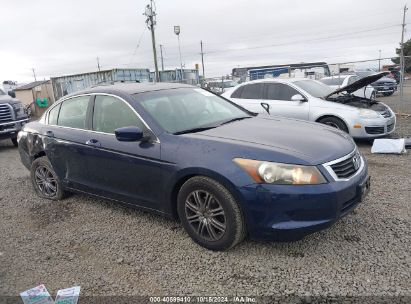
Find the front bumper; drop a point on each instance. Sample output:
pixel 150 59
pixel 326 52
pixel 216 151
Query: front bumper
pixel 10 129
pixel 287 213
pixel 385 89
pixel 373 128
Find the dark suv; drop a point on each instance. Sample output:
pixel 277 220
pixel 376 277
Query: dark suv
pixel 384 86
pixel 12 117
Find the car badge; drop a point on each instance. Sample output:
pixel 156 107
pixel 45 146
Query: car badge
pixel 356 162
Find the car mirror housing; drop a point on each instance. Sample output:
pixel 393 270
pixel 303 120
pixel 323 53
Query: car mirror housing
pixel 130 134
pixel 298 97
pixel 12 94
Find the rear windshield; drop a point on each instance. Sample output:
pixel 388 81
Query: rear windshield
pixel 333 81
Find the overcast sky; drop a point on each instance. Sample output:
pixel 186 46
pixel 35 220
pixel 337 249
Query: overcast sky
pixel 65 37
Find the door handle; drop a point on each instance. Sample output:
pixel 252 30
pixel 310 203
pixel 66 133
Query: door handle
pixel 49 133
pixel 93 142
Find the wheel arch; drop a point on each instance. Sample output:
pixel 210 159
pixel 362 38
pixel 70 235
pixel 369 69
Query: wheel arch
pixel 322 116
pixel 186 174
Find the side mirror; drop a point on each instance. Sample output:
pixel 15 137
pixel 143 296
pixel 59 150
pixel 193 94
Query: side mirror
pixel 129 134
pixel 298 97
pixel 266 107
pixel 12 94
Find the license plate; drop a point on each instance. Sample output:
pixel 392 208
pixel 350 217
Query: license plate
pixel 365 188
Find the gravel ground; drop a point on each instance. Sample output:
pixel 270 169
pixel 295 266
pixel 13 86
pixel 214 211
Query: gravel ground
pixel 112 250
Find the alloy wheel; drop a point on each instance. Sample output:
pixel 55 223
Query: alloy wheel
pixel 205 215
pixel 46 181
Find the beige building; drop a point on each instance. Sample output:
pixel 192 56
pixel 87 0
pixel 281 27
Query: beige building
pixel 33 91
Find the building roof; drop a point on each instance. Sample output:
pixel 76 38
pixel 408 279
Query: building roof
pixel 31 85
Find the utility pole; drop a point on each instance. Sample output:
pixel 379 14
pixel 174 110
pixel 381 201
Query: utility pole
pixel 379 62
pixel 151 22
pixel 98 64
pixel 162 58
pixel 34 74
pixel 202 58
pixel 177 32
pixel 402 63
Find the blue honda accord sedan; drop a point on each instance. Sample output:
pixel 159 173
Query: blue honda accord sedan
pixel 183 152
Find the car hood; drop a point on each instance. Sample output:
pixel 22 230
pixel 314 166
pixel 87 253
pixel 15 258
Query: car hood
pixel 8 99
pixel 363 82
pixel 312 143
pixel 385 79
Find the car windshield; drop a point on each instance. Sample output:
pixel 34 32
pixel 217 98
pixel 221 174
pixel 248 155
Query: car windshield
pixel 333 81
pixel 187 110
pixel 314 88
pixel 2 92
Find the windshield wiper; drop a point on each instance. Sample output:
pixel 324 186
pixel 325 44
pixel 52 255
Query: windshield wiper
pixel 194 130
pixel 235 119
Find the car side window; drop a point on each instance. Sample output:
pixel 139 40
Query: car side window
pixel 73 112
pixel 237 93
pixel 111 113
pixel 252 91
pixel 279 91
pixel 53 115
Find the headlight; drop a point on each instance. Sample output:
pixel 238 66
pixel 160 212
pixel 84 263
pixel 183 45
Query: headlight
pixel 364 113
pixel 283 174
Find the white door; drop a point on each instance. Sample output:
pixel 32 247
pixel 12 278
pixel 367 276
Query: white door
pixel 278 96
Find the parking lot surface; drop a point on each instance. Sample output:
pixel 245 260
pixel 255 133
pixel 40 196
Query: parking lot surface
pixel 108 249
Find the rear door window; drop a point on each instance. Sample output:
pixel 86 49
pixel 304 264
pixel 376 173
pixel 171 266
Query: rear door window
pixel 252 91
pixel 237 93
pixel 53 115
pixel 73 112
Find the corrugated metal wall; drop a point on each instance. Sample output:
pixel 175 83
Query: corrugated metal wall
pixel 73 83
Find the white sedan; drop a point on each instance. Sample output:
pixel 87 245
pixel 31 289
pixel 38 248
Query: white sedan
pixel 312 100
pixel 340 81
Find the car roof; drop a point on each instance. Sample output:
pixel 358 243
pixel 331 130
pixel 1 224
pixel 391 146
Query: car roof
pixel 132 87
pixel 280 80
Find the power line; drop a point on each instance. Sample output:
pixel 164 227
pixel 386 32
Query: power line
pixel 301 41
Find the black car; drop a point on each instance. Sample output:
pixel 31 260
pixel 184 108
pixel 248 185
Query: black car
pixel 12 116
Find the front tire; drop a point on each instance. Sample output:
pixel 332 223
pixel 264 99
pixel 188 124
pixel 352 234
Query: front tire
pixel 45 181
pixel 210 214
pixel 334 122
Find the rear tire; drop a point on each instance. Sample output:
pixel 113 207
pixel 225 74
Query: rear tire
pixel 210 214
pixel 334 122
pixel 14 141
pixel 45 181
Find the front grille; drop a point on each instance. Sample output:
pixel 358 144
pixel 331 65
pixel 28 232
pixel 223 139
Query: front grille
pixel 374 130
pixel 5 113
pixel 386 113
pixel 390 127
pixel 347 167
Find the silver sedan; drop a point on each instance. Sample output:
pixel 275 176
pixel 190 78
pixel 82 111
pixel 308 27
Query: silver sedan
pixel 311 100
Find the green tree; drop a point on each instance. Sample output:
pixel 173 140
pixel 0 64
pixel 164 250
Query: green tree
pixel 407 52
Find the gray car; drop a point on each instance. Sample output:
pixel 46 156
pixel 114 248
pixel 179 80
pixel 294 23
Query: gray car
pixel 312 100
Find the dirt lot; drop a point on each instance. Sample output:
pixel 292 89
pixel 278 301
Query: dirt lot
pixel 112 250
